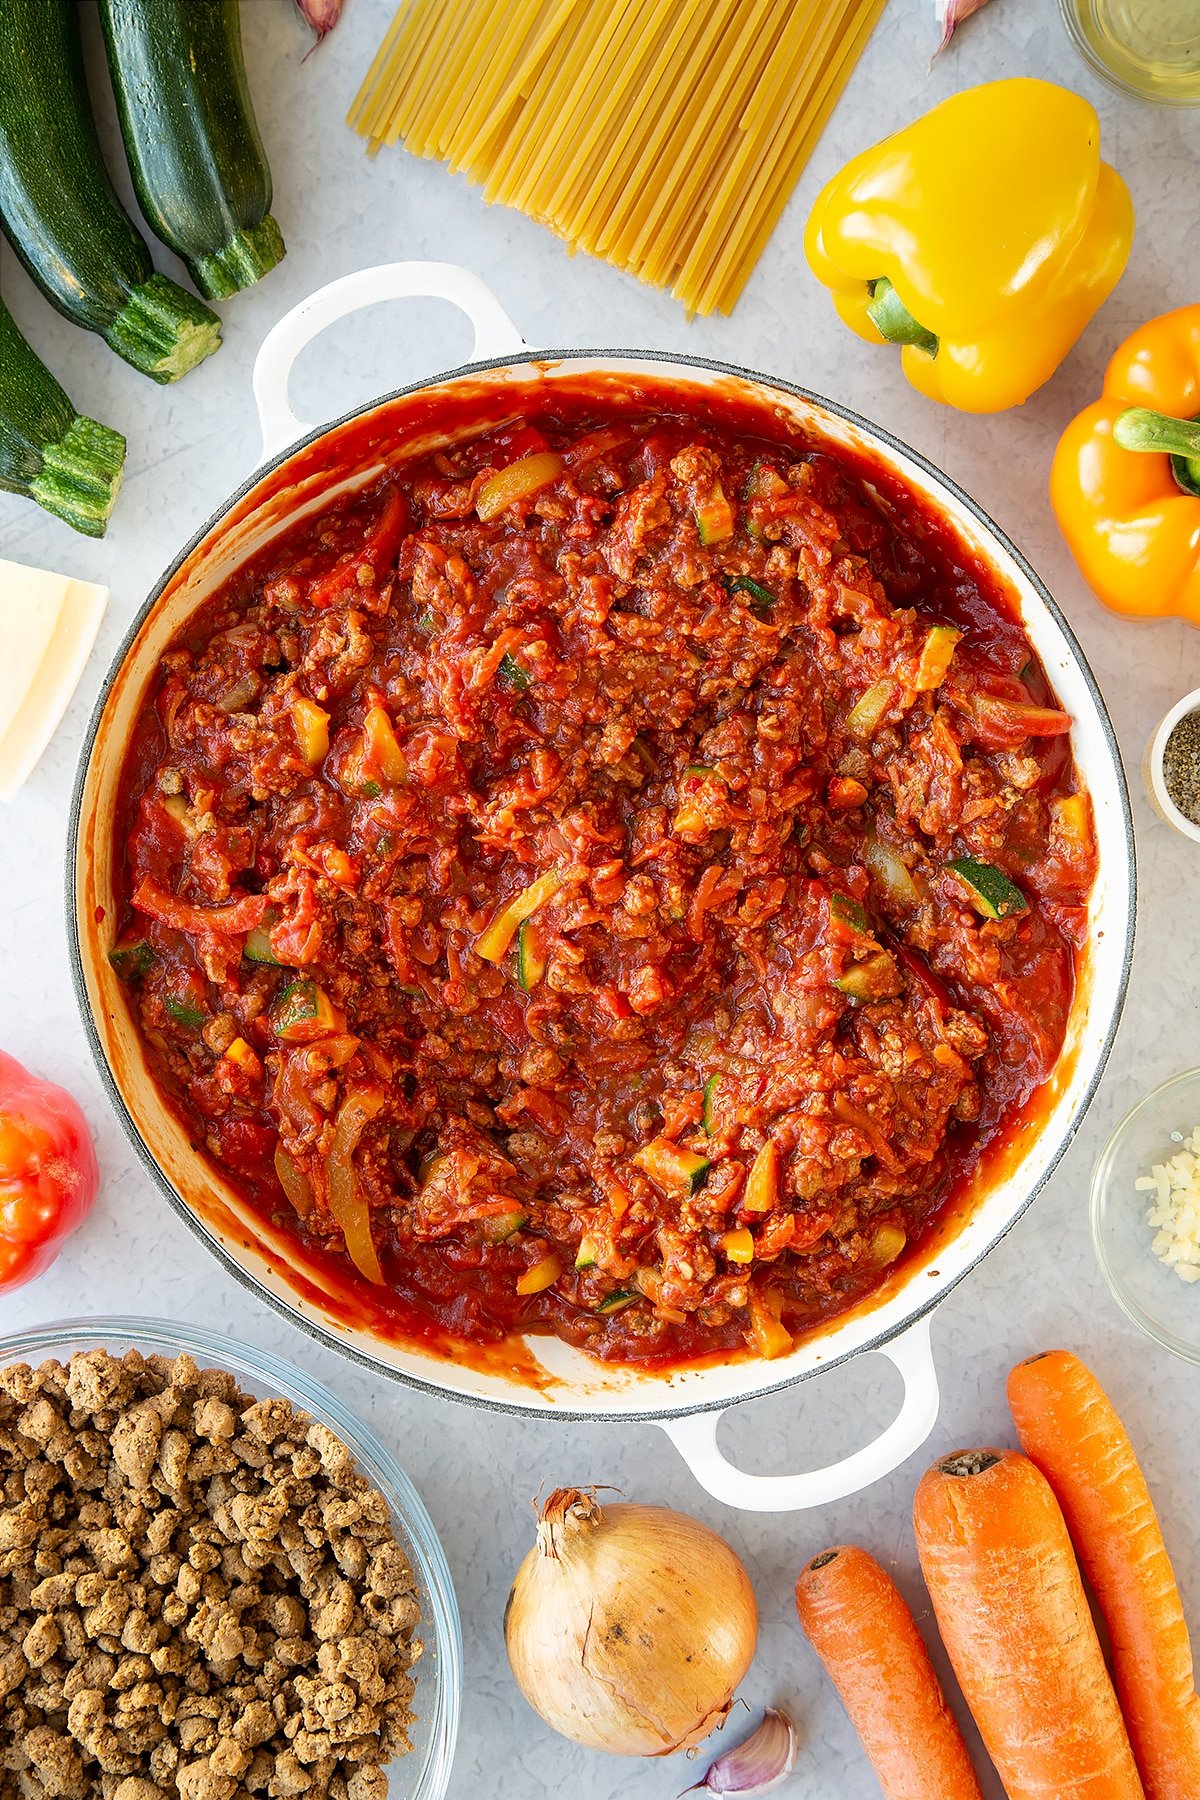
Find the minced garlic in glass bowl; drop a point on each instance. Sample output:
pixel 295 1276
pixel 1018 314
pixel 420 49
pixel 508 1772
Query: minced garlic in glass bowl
pixel 1145 1214
pixel 1175 1208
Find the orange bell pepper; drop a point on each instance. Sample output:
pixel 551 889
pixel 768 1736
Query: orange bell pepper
pixel 1125 483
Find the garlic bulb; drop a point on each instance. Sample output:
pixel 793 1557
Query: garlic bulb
pixel 629 1627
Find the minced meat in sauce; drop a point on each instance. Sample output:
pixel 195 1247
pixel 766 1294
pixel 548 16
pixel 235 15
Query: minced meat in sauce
pixel 616 877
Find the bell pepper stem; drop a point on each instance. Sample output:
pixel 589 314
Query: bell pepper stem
pixel 893 320
pixel 1138 428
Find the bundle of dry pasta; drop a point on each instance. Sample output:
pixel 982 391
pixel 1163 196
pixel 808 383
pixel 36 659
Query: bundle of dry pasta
pixel 663 135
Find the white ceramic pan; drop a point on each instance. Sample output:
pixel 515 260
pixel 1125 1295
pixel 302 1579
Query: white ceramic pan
pixel 302 468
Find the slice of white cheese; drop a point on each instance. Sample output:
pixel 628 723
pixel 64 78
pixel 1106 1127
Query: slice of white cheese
pixel 48 624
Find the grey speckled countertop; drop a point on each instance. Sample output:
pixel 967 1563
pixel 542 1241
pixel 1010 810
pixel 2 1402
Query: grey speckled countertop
pixel 190 444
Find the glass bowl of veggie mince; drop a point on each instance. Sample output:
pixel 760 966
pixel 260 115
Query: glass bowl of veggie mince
pixel 424 1772
pixel 1145 1212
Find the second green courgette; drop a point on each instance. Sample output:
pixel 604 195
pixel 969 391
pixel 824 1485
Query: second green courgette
pixel 60 208
pixel 194 150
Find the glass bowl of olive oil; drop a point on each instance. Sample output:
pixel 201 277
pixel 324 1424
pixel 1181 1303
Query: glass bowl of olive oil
pixel 1148 48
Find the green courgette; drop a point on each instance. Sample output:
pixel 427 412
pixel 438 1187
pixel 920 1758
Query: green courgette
pixel 844 910
pixel 502 1226
pixel 531 956
pixel 674 1170
pixel 131 958
pixel 62 213
pixel 761 598
pixel 877 978
pixel 991 892
pixel 257 948
pixel 708 1116
pixel 511 671
pixel 618 1301
pixel 197 160
pixel 70 465
pixel 184 1012
pixel 714 517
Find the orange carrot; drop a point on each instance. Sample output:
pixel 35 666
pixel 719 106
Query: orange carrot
pixel 860 1627
pixel 1014 1619
pixel 1069 1427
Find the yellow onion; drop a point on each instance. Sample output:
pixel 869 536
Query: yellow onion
pixel 629 1627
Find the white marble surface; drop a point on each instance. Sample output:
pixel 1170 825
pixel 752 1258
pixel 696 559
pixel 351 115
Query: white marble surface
pixel 190 444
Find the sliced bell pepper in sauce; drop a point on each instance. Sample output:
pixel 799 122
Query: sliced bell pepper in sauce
pixel 866 715
pixel 771 1338
pixel 543 1274
pixel 738 1245
pixel 346 1201
pixel 380 747
pixel 518 482
pixel 762 1183
pixel 312 730
pixel 492 943
pixel 936 655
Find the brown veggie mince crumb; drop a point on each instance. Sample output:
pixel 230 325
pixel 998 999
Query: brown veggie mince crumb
pixel 200 1595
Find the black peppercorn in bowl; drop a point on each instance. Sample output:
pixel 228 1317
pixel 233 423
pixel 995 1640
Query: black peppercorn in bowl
pixel 1171 768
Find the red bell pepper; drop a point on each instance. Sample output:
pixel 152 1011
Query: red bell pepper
pixel 48 1174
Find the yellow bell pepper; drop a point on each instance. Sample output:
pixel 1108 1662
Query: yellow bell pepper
pixel 1125 483
pixel 982 238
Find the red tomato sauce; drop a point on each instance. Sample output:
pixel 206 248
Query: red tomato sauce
pixel 619 876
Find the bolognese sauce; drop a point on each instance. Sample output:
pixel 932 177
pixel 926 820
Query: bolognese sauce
pixel 618 876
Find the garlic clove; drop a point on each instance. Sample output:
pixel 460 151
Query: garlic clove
pixel 950 15
pixel 756 1765
pixel 322 15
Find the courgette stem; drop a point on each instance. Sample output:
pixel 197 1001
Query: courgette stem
pixel 81 476
pixel 69 464
pixel 163 331
pixel 246 258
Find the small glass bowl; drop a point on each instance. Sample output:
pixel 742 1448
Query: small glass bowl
pixel 1147 48
pixel 1152 767
pixel 424 1774
pixel 1148 1291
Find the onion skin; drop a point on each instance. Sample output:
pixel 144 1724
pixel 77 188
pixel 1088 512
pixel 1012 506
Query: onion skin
pixel 628 1628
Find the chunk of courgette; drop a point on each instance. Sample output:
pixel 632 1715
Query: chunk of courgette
pixel 990 890
pixel 618 1301
pixel 62 213
pixel 531 955
pixel 69 464
pixel 876 978
pixel 674 1170
pixel 131 958
pixel 761 598
pixel 195 154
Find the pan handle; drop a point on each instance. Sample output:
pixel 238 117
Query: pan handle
pixel 695 1437
pixel 495 333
